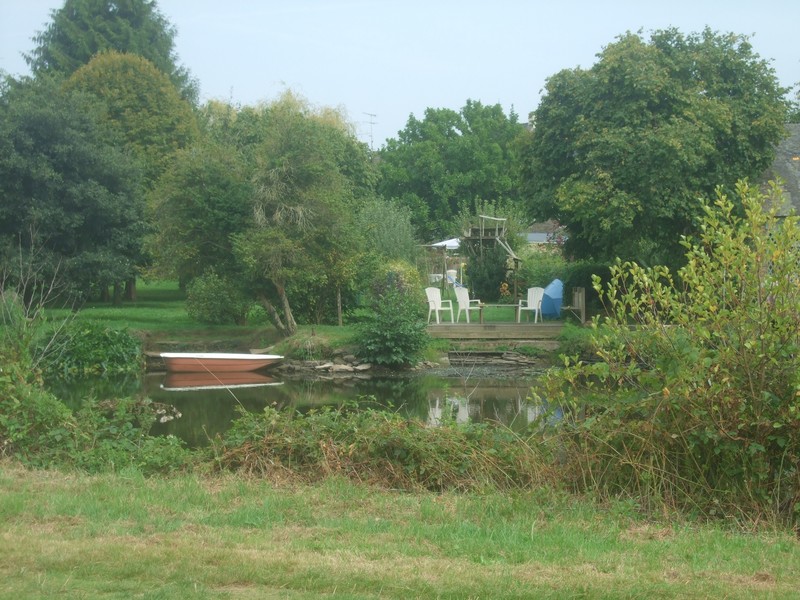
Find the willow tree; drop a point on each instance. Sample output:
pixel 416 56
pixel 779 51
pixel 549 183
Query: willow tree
pixel 311 172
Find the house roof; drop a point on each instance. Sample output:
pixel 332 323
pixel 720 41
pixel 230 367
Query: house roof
pixel 786 167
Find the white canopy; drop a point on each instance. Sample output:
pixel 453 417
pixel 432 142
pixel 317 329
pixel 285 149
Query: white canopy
pixel 451 244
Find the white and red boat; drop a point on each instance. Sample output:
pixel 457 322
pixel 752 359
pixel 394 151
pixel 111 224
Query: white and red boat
pixel 217 362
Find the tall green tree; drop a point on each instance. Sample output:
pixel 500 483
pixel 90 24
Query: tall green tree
pixel 68 190
pixel 142 106
pixel 450 158
pixel 311 173
pixel 83 28
pixel 203 199
pixel 621 152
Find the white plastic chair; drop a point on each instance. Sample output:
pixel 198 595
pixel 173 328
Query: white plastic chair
pixel 436 304
pixel 464 303
pixel 533 303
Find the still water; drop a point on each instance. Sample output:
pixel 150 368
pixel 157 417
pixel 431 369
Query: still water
pixel 208 410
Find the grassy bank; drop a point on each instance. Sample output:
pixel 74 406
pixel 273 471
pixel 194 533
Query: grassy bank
pixel 122 536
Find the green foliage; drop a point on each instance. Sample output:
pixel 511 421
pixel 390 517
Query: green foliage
pixel 622 151
pixel 695 401
pixel 114 435
pixel 378 447
pixel 387 230
pixel 582 274
pixel 448 158
pixel 540 267
pixel 216 300
pixel 577 342
pixel 89 348
pixel 486 272
pixel 310 175
pixel 394 333
pixel 140 105
pixel 81 29
pixel 69 193
pixel 202 199
pixel 35 427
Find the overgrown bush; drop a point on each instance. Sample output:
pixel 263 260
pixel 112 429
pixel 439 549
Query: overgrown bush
pixel 378 447
pixel 114 435
pixel 215 300
pixel 487 272
pixel 696 402
pixel 88 348
pixel 582 274
pixel 539 268
pixel 35 427
pixel 394 333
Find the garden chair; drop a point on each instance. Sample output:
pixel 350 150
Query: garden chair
pixel 436 304
pixel 464 303
pixel 533 303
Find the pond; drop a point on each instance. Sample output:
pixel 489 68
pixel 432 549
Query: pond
pixel 207 411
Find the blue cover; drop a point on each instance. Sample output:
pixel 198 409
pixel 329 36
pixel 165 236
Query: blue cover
pixel 553 297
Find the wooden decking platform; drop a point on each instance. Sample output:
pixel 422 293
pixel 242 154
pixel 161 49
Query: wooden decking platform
pixel 496 331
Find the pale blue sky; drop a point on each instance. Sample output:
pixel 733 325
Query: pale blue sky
pixel 392 58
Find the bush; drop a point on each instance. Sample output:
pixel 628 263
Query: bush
pixel 114 435
pixel 84 347
pixel 487 272
pixel 394 333
pixel 215 300
pixel 539 268
pixel 582 274
pixel 696 406
pixel 35 427
pixel 380 448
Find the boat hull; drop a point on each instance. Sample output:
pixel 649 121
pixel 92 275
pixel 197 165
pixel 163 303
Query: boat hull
pixel 217 362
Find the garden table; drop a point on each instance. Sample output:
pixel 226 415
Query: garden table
pixel 482 305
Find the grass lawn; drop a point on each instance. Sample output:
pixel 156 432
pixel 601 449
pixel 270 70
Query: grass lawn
pixel 221 536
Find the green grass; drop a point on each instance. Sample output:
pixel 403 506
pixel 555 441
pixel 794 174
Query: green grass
pixel 122 536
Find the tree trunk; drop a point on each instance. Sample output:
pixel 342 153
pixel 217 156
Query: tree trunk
pixel 130 289
pixel 291 324
pixel 273 315
pixel 339 304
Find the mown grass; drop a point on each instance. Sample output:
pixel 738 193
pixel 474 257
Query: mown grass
pixel 221 536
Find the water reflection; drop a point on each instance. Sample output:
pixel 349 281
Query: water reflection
pixel 208 408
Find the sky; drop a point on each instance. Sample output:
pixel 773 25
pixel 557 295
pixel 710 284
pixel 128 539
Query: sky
pixel 380 61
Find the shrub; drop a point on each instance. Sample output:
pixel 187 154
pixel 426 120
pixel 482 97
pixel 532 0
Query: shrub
pixel 35 427
pixel 487 272
pixel 85 347
pixel 539 268
pixel 379 447
pixel 215 300
pixel 394 333
pixel 696 406
pixel 114 435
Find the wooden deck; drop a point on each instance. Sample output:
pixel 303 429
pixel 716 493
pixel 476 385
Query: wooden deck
pixel 496 331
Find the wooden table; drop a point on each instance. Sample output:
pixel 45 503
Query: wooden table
pixel 481 306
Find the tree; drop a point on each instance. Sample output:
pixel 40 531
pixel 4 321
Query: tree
pixel 203 199
pixel 621 152
pixel 83 28
pixel 450 158
pixel 311 172
pixel 142 106
pixel 66 186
